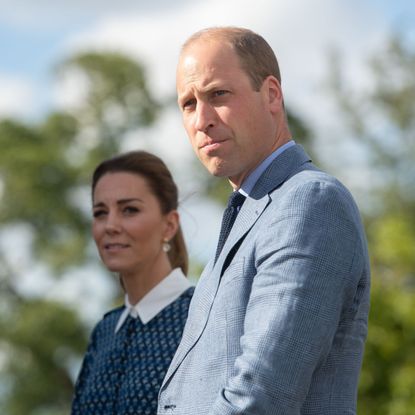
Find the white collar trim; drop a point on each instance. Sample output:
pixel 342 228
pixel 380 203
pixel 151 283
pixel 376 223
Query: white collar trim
pixel 163 294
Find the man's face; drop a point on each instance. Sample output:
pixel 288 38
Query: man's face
pixel 229 124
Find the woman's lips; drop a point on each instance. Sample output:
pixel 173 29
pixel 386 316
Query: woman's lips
pixel 115 246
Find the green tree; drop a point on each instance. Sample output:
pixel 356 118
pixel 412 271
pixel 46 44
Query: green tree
pixel 382 121
pixel 45 171
pixel 117 102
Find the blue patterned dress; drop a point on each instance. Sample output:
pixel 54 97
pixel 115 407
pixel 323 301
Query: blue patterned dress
pixel 122 372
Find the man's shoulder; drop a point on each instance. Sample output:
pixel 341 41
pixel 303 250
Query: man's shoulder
pixel 311 174
pixel 313 190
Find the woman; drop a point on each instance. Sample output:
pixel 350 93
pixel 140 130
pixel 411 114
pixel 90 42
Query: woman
pixel 136 230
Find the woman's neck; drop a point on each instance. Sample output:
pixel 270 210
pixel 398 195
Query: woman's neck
pixel 142 281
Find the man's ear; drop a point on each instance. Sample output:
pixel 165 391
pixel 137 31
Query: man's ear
pixel 274 93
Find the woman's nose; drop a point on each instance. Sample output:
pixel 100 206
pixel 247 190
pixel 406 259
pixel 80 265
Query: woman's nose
pixel 113 223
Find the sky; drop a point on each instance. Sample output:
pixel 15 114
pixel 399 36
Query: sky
pixel 36 35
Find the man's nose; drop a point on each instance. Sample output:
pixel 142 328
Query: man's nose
pixel 205 116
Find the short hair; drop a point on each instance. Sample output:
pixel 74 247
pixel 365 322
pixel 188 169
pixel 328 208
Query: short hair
pixel 256 56
pixel 161 184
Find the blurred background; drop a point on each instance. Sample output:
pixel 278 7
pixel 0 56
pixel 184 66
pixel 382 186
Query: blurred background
pixel 83 80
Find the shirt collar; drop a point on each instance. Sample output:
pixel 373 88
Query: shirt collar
pixel 249 183
pixel 163 294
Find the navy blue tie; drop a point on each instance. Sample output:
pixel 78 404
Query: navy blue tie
pixel 235 202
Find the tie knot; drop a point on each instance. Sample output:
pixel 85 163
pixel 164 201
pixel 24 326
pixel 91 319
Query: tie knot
pixel 236 199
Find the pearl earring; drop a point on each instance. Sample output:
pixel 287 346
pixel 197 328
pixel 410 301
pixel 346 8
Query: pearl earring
pixel 166 246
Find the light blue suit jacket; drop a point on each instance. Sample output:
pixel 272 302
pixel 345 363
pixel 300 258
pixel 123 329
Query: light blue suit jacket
pixel 278 324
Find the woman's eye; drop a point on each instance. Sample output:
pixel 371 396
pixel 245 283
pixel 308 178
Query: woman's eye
pixel 130 210
pixel 98 213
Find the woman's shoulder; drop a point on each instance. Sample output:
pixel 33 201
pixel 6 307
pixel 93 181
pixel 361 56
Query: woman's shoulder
pixel 186 296
pixel 181 304
pixel 109 319
pixel 189 292
pixel 113 313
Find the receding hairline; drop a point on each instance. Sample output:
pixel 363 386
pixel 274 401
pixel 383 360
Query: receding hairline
pixel 250 47
pixel 216 33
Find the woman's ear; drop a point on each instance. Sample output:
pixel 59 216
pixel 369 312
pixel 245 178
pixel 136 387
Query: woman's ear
pixel 172 224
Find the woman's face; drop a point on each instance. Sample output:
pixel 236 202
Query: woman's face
pixel 128 226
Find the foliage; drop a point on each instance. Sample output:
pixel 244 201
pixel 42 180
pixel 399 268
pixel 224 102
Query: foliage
pixel 37 178
pixel 117 101
pixel 383 121
pixel 41 339
pixel 387 384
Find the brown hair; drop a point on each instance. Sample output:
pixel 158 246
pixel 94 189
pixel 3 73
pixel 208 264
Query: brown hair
pixel 161 183
pixel 256 56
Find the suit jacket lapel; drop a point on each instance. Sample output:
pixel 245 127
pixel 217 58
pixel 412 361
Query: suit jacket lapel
pixel 210 280
pixel 284 166
pixel 250 212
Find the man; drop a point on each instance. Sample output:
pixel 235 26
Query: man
pixel 279 318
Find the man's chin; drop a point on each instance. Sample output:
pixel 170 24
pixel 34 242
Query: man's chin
pixel 217 172
pixel 216 168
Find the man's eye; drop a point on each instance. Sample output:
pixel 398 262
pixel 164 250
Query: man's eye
pixel 189 104
pixel 220 93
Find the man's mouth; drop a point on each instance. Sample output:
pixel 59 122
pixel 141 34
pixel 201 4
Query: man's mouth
pixel 211 145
